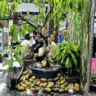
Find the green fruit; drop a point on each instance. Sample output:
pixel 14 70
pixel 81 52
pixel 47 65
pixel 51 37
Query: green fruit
pixel 27 88
pixel 28 83
pixel 30 80
pixel 26 76
pixel 50 85
pixel 62 86
pixel 50 60
pixel 56 78
pixel 34 82
pixel 66 89
pixel 25 81
pixel 49 1
pixel 43 31
pixel 50 80
pixel 16 86
pixel 30 72
pixel 43 79
pixel 38 88
pixel 24 85
pixel 56 89
pixel 33 77
pixel 21 83
pixel 70 84
pixel 56 86
pixel 48 89
pixel 44 63
pixel 65 84
pixel 57 82
pixel 38 83
pixel 59 74
pixel 21 79
pixel 52 37
pixel 21 88
pixel 61 90
pixel 62 81
pixel 61 78
pixel 32 85
pixel 25 72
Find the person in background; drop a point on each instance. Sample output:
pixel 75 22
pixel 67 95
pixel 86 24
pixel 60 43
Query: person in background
pixel 27 46
pixel 38 44
pixel 60 37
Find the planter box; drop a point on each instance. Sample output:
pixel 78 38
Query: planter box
pixel 44 73
pixel 12 81
pixel 74 79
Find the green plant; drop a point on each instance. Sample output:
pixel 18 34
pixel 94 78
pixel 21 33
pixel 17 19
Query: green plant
pixel 57 13
pixel 93 78
pixel 67 56
pixel 14 56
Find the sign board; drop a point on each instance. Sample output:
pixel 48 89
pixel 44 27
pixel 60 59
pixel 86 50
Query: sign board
pixel 93 65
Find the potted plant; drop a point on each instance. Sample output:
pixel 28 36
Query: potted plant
pixel 93 79
pixel 67 55
pixel 14 71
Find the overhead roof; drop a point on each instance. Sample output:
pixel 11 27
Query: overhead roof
pixel 24 7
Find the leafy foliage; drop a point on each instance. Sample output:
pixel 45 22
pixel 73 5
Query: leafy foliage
pixel 14 33
pixel 67 55
pixel 14 56
pixel 60 7
pixel 78 25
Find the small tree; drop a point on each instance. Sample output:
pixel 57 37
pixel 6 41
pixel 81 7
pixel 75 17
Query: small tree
pixel 57 11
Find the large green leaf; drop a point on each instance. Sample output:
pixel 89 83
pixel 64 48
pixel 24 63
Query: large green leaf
pixel 74 59
pixel 18 48
pixel 14 32
pixel 6 51
pixel 18 58
pixel 8 63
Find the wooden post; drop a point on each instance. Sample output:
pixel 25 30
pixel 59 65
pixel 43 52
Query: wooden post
pixel 90 47
pixel 51 25
pixel 15 20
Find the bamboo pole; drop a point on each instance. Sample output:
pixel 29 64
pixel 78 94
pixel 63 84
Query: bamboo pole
pixel 91 33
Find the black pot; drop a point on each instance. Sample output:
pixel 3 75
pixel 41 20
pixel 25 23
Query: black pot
pixel 13 81
pixel 71 79
pixel 44 73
